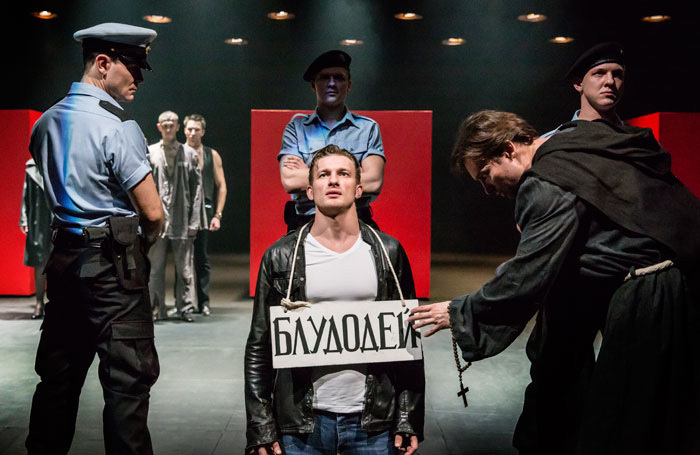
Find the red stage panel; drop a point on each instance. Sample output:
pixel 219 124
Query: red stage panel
pixel 676 132
pixel 402 210
pixel 15 278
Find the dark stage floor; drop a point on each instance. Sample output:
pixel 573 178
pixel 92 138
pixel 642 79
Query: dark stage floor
pixel 197 404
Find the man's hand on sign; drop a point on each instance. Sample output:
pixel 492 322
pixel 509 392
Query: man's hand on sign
pixel 407 446
pixel 436 313
pixel 270 449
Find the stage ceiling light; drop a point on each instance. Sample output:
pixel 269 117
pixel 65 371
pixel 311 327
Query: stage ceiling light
pixel 453 41
pixel 157 19
pixel 561 39
pixel 44 14
pixel 236 41
pixel 532 17
pixel 351 42
pixel 656 18
pixel 408 16
pixel 280 15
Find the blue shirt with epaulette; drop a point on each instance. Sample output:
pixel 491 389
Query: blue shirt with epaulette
pixel 305 134
pixel 90 154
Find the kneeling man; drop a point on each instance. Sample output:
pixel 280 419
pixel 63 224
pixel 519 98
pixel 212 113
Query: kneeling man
pixel 358 409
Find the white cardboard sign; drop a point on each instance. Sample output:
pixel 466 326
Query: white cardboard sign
pixel 338 333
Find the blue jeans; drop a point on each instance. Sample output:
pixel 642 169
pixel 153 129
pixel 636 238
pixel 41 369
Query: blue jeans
pixel 338 434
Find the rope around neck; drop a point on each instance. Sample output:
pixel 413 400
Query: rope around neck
pixel 286 303
pixel 292 305
pixel 391 266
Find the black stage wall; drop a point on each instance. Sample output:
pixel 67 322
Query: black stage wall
pixel 504 64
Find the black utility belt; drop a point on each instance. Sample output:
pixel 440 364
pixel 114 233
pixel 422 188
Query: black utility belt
pixel 120 237
pixel 90 235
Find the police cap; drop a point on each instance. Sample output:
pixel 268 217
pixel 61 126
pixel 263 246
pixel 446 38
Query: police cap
pixel 129 42
pixel 609 52
pixel 330 59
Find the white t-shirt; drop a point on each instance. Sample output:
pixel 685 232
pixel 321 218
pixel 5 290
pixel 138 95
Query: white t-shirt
pixel 332 276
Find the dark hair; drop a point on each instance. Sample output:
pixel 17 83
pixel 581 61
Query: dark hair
pixel 89 57
pixel 483 135
pixel 196 118
pixel 333 150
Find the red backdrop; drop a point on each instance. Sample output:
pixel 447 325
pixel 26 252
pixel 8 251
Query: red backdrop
pixel 15 278
pixel 677 133
pixel 402 209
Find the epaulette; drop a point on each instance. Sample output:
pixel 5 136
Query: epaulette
pixel 112 109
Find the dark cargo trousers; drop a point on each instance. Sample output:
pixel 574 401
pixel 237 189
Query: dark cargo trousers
pixel 202 268
pixel 90 312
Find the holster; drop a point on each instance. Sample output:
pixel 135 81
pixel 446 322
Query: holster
pixel 131 264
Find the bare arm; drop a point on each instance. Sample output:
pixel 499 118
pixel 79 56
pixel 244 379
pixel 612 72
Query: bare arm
pixel 220 183
pixel 149 207
pixel 372 174
pixel 294 174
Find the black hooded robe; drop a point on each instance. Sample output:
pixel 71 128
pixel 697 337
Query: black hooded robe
pixel 598 201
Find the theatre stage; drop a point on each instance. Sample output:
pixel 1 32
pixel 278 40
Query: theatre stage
pixel 197 404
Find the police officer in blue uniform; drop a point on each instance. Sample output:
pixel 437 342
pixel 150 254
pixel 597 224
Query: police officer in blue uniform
pixel 107 213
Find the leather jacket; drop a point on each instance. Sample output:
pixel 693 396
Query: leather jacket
pixel 280 401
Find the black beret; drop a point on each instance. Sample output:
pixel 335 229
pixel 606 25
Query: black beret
pixel 328 59
pixel 609 52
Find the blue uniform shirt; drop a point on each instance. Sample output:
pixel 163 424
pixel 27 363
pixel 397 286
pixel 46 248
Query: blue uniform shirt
pixel 575 117
pixel 556 130
pixel 89 158
pixel 305 134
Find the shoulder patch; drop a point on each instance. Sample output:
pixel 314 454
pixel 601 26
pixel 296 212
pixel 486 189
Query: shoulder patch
pixel 112 109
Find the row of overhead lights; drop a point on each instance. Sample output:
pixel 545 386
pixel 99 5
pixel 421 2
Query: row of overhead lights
pixel 536 17
pixel 410 16
pixel 406 16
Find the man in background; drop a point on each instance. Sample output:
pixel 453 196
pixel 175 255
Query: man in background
pixel 214 192
pixel 331 123
pixel 598 77
pixel 178 179
pixel 35 223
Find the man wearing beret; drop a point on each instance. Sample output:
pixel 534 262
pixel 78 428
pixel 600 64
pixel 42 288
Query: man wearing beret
pixel 107 214
pixel 331 123
pixel 609 241
pixel 598 76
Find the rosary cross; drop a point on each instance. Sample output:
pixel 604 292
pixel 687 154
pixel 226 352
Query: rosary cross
pixel 463 393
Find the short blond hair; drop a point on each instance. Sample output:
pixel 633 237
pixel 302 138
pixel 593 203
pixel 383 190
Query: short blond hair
pixel 168 115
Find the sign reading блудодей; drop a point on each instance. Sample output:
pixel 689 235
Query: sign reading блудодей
pixel 337 333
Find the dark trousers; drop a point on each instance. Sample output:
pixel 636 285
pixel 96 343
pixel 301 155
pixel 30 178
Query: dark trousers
pixel 202 268
pixel 89 312
pixel 560 348
pixel 295 221
pixel 645 391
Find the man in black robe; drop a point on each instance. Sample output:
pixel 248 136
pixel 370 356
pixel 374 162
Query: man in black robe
pixel 610 241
